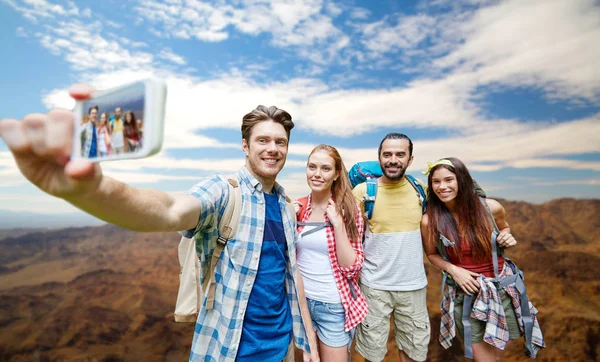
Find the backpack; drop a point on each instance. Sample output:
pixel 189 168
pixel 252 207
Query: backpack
pixel 189 295
pixel 369 172
pixel 518 277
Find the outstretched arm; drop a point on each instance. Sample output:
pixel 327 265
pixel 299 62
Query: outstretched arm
pixel 41 146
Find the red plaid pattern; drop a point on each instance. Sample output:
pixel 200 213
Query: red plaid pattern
pixel 355 309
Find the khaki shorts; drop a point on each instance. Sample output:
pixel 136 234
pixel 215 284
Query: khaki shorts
pixel 411 323
pixel 478 327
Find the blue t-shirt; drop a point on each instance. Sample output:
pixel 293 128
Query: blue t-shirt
pixel 94 146
pixel 267 328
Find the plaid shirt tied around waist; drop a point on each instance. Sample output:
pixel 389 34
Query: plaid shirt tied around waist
pixel 346 279
pixel 218 331
pixel 488 308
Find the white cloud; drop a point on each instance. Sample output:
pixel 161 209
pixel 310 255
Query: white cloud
pixel 167 54
pixel 423 104
pixel 584 182
pixel 35 9
pixel 298 24
pixel 407 33
pixel 34 200
pixel 547 44
pixel 359 13
pixel 66 31
pixel 11 176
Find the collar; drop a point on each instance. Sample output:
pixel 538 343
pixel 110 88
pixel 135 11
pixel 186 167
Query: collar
pixel 255 185
pixel 309 207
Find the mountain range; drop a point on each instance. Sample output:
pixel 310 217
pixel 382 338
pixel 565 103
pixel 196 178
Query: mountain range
pixel 107 294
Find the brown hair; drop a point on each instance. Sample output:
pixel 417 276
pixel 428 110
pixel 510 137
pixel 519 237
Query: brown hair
pixel 341 190
pixel 396 136
pixel 262 113
pixel 474 225
pixel 131 127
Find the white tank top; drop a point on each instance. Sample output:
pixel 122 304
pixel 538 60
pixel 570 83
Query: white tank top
pixel 315 267
pixel 100 138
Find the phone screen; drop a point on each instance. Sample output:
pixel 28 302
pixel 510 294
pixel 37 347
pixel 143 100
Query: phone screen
pixel 111 125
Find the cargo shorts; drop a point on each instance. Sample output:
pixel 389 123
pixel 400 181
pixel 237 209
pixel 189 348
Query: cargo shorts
pixel 411 323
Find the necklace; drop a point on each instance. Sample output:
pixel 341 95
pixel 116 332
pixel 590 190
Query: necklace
pixel 319 208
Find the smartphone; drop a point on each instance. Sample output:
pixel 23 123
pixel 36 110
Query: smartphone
pixel 121 123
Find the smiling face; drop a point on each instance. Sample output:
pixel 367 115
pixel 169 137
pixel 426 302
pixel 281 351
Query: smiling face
pixel 103 119
pixel 445 185
pixel 394 159
pixel 320 171
pixel 266 151
pixel 93 114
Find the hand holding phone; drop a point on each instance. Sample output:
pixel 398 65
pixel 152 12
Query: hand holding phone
pixel 122 123
pixel 47 147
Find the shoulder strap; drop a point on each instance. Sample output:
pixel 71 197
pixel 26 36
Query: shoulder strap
pixel 317 225
pixel 304 205
pixel 290 206
pixel 370 194
pixel 416 184
pixel 441 248
pixel 228 224
pixel 496 250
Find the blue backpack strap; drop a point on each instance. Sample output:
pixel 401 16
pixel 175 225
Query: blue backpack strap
pixel 420 191
pixel 369 198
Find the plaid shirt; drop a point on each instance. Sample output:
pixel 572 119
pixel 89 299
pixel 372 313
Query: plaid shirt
pixel 218 331
pixel 89 131
pixel 487 307
pixel 355 309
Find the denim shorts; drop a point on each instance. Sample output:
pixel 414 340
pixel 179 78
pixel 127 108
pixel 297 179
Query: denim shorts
pixel 328 321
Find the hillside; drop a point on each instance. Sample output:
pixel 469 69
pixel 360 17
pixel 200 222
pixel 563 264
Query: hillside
pixel 107 294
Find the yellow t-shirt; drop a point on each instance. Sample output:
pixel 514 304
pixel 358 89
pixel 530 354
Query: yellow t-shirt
pixel 118 125
pixel 393 247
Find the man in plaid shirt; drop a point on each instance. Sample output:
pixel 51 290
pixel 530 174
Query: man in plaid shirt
pixel 256 310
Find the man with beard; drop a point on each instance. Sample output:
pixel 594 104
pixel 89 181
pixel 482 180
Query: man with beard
pixel 393 276
pixel 117 131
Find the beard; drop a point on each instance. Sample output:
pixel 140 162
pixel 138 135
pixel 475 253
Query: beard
pixel 393 176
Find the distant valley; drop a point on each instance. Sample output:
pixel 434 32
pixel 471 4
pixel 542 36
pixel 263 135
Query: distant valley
pixel 107 294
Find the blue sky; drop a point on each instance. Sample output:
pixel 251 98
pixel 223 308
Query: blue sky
pixel 510 87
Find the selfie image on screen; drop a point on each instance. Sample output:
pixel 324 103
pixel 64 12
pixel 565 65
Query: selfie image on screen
pixel 113 125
